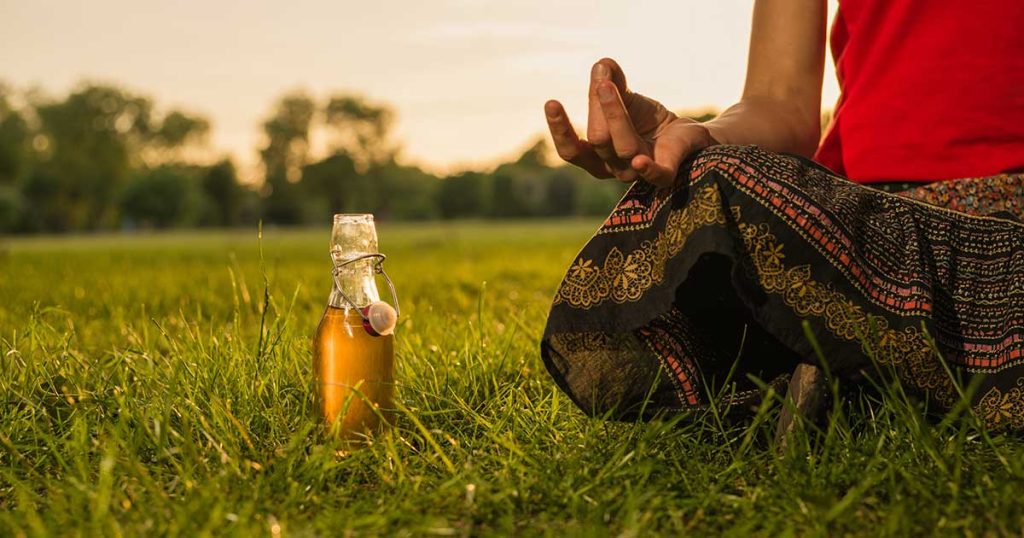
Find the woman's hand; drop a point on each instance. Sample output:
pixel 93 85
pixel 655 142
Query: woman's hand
pixel 629 136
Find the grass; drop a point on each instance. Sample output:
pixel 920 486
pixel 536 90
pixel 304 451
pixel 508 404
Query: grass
pixel 137 399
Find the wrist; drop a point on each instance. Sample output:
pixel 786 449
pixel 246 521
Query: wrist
pixel 717 133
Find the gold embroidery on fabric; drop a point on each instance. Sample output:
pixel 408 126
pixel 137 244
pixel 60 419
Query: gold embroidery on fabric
pixel 999 410
pixel 576 342
pixel 624 278
pixel 906 350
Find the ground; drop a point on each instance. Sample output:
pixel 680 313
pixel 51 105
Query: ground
pixel 145 392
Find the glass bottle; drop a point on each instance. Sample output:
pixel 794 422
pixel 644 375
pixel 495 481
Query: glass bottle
pixel 353 359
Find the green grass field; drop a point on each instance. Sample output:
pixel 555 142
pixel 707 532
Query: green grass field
pixel 142 395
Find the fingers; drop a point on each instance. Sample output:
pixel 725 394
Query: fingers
pixel 568 143
pixel 654 172
pixel 605 70
pixel 662 167
pixel 625 142
pixel 618 77
pixel 649 116
pixel 597 128
pixel 670 150
pixel 612 141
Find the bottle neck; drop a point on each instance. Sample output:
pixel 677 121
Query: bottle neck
pixel 354 282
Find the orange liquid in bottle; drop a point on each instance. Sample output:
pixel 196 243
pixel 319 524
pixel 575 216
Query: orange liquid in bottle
pixel 354 374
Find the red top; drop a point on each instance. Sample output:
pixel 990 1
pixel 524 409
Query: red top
pixel 931 90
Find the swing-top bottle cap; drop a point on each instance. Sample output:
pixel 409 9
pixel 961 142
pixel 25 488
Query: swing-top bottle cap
pixel 380 318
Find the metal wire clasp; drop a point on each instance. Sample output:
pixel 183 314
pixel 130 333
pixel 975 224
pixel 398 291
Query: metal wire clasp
pixel 378 268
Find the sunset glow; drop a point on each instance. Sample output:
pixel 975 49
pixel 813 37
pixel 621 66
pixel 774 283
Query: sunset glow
pixel 467 79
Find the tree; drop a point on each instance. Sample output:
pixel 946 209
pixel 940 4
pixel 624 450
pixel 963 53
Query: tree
pixel 177 133
pixel 508 197
pixel 536 157
pixel 519 187
pixel 163 197
pixel 285 153
pixel 15 152
pixel 15 136
pixel 360 129
pixel 48 204
pixel 11 208
pixel 594 196
pixel 92 137
pixel 333 185
pixel 560 198
pixel 287 136
pixel 403 192
pixel 92 142
pixel 463 195
pixel 223 194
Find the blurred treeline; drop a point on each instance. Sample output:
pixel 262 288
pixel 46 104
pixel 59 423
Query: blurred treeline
pixel 104 157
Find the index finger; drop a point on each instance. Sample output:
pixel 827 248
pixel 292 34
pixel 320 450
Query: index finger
pixel 568 144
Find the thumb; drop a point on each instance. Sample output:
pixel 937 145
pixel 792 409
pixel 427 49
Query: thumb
pixel 654 172
pixel 670 150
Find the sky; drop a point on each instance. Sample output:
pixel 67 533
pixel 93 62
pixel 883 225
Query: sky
pixel 468 79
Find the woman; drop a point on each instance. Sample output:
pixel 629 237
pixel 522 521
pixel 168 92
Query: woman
pixel 733 255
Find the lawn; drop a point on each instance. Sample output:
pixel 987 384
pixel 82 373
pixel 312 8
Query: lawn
pixel 149 386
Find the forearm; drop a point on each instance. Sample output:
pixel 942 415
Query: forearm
pixel 772 124
pixel 781 105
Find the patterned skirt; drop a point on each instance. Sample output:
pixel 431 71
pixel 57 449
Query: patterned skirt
pixel 713 290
